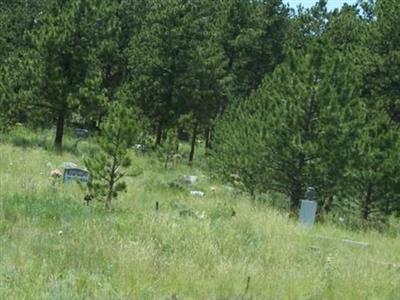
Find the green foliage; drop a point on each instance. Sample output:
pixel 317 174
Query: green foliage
pixel 295 131
pixel 185 63
pixel 174 65
pixel 109 165
pixel 35 138
pixel 371 176
pixel 158 59
pixel 252 35
pixel 169 151
pixel 385 75
pixel 61 70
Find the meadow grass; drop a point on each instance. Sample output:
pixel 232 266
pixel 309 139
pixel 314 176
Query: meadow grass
pixel 53 246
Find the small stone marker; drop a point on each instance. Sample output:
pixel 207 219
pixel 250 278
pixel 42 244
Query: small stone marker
pixel 308 208
pixel 356 243
pixel 75 174
pixel 69 165
pixel 81 133
pixel 190 179
pixel 310 194
pixel 140 147
pixel 197 193
pixel 345 241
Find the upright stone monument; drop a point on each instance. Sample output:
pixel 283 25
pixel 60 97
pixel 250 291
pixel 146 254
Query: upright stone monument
pixel 190 179
pixel 308 208
pixel 81 133
pixel 72 174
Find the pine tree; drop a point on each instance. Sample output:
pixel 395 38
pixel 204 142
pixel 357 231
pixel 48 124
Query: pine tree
pixel 176 67
pixel 64 71
pixel 252 36
pixel 308 25
pixel 296 130
pixel 158 60
pixel 169 150
pixel 108 166
pixel 385 77
pixel 17 18
pixel 371 177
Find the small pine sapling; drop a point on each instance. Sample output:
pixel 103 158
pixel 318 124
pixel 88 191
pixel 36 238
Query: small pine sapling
pixel 170 149
pixel 106 166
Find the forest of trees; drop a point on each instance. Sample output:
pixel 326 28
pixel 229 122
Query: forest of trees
pixel 283 98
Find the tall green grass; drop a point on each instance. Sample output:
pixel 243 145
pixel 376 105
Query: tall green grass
pixel 221 246
pixel 28 138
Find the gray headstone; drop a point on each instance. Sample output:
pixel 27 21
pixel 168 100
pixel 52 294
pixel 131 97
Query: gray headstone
pixel 140 148
pixel 81 133
pixel 69 165
pixel 75 174
pixel 190 179
pixel 197 193
pixel 310 194
pixel 308 210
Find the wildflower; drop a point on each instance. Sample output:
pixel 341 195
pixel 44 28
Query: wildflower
pixel 56 173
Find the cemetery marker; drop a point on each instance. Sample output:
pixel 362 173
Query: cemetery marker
pixel 190 179
pixel 75 174
pixel 81 133
pixel 308 208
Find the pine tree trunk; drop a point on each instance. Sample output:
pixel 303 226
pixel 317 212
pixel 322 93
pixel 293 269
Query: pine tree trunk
pixel 111 183
pixel 295 196
pixel 193 144
pixel 208 134
pixel 296 191
pixel 327 207
pixel 108 202
pixel 366 209
pixel 59 130
pixel 159 135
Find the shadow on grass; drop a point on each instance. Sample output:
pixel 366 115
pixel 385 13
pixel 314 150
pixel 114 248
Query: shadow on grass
pixel 25 138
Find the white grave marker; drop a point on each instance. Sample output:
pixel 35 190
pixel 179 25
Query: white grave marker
pixel 308 208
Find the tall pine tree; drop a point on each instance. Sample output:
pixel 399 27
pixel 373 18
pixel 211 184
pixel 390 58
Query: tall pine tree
pixel 65 72
pixel 296 130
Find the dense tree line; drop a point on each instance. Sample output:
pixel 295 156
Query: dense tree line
pixel 283 98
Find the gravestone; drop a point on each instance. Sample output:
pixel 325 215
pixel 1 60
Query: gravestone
pixel 197 193
pixel 310 194
pixel 69 165
pixel 190 179
pixel 75 174
pixel 81 133
pixel 140 148
pixel 308 208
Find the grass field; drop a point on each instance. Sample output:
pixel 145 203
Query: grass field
pixel 53 246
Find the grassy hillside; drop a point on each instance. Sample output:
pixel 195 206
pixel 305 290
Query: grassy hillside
pixel 52 246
